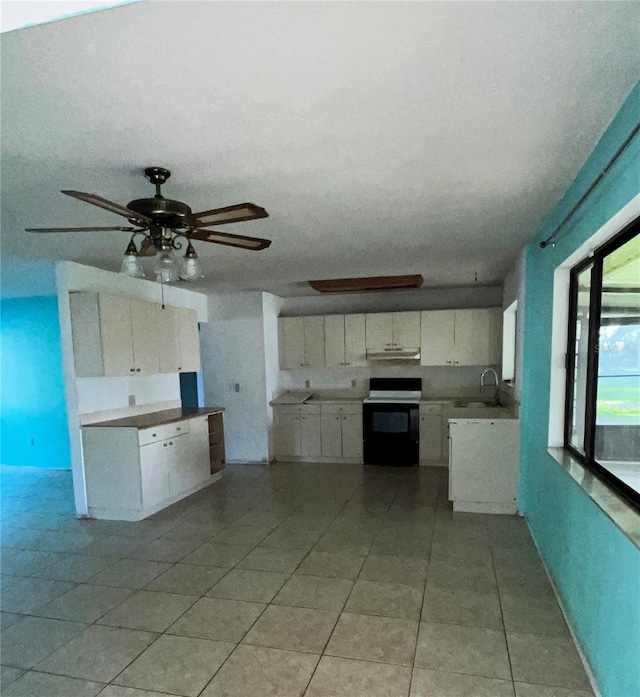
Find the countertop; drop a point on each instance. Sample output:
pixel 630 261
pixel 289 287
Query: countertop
pixel 157 418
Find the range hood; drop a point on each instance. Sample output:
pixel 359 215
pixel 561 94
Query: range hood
pixel 393 354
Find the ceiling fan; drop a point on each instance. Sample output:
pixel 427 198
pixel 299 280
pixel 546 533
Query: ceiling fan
pixel 162 221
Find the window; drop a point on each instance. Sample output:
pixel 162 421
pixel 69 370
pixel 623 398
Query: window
pixel 602 410
pixel 509 345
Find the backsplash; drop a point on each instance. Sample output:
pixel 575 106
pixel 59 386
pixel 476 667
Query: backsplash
pixel 461 381
pixel 106 394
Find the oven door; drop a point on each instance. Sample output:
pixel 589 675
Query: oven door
pixel 390 434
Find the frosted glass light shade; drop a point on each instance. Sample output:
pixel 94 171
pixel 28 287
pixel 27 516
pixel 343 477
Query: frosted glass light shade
pixel 166 269
pixel 131 266
pixel 190 269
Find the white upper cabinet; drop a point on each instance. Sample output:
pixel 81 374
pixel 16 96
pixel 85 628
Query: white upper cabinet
pixel 379 330
pixel 344 341
pixel 313 342
pixel 355 350
pixel 460 337
pixel 393 330
pixel 115 337
pixel 301 342
pixel 334 341
pixel 437 346
pixel 291 341
pixel 114 322
pixel 169 339
pixel 189 340
pixel 406 329
pixel 146 337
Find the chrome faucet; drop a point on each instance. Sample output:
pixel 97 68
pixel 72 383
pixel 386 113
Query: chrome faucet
pixel 496 397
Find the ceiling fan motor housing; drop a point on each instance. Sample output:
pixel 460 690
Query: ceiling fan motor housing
pixel 163 211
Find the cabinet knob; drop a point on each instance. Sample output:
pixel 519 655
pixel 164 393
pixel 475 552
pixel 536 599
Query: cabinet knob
pixel 170 442
pixel 137 370
pixel 132 370
pixel 447 361
pixel 164 445
pixel 178 429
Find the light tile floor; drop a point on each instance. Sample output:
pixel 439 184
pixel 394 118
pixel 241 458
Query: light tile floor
pixel 288 580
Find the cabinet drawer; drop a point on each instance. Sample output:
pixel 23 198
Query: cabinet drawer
pixel 348 408
pixel 162 432
pixel 430 409
pixel 301 409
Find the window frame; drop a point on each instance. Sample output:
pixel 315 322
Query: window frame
pixel 587 459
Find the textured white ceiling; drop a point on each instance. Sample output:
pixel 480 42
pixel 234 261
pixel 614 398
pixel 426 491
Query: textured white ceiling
pixel 382 138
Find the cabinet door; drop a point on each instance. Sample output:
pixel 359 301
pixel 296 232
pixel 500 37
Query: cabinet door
pixel 144 327
pixel 334 341
pixel 378 330
pixel 291 342
pixel 352 435
pixel 310 439
pixel 199 446
pixel 430 437
pixel 406 329
pixel 471 337
pixel 189 341
pixel 355 350
pixel 331 435
pixel 169 350
pixel 437 337
pixel 286 435
pixel 154 475
pixel 314 342
pixel 116 335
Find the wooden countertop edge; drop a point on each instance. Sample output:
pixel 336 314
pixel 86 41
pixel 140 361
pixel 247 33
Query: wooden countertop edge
pixel 168 416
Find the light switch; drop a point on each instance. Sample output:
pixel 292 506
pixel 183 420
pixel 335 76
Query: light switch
pixel 353 383
pixel 132 400
pixel 236 387
pixel 307 383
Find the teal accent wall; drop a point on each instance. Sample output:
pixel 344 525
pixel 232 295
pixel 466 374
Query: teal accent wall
pixel 595 567
pixel 33 421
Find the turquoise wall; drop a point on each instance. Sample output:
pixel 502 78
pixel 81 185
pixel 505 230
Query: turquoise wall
pixel 595 567
pixel 33 420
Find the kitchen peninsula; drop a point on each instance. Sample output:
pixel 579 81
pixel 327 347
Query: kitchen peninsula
pixel 137 465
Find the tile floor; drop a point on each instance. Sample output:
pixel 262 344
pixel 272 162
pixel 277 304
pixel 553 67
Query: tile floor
pixel 289 580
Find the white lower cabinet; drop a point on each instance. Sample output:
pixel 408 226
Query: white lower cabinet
pixel 318 432
pixel 483 467
pixel 132 473
pixel 154 473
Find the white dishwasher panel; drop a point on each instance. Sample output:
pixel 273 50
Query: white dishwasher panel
pixel 484 465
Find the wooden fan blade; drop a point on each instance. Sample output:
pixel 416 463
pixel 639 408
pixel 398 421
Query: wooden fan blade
pixel 96 200
pixel 79 229
pixel 253 243
pixel 230 214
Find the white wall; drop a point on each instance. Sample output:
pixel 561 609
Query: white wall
pixel 513 289
pixel 272 305
pixel 426 299
pixel 26 278
pixel 233 353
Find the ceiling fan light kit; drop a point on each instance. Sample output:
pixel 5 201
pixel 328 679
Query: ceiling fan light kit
pixel 161 222
pixel 131 265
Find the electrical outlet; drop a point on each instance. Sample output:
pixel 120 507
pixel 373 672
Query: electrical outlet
pixel 32 442
pixel 353 383
pixel 132 400
pixel 307 383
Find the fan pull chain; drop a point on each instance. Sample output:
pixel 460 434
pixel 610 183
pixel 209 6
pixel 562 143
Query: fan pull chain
pixel 162 290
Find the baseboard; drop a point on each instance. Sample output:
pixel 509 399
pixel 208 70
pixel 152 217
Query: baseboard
pixel 583 658
pixel 321 460
pixel 481 507
pixel 135 514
